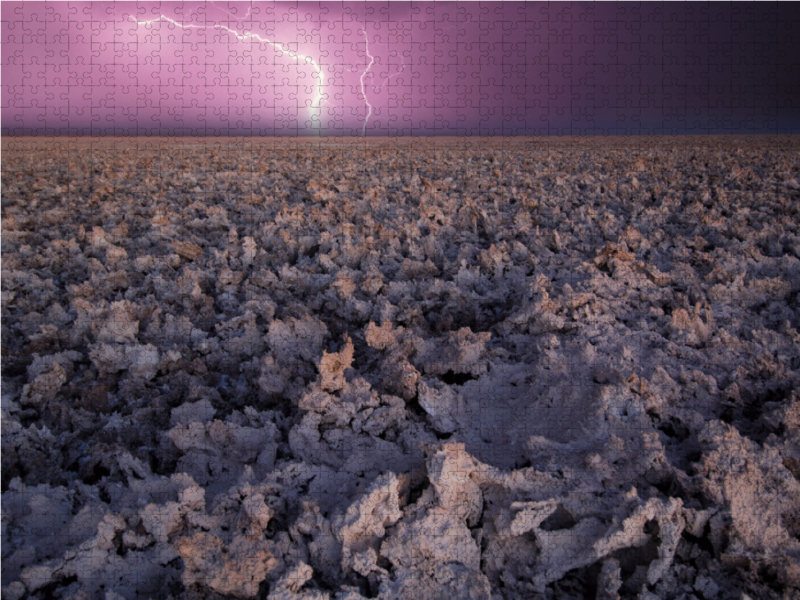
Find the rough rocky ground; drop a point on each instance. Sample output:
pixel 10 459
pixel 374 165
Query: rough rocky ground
pixel 404 369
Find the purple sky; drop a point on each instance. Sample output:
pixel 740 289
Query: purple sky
pixel 399 68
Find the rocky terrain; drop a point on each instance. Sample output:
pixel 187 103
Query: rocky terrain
pixel 446 368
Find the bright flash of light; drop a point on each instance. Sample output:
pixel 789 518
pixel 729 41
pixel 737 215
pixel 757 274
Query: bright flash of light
pixel 243 37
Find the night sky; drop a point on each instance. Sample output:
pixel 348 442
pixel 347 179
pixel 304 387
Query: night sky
pixel 400 68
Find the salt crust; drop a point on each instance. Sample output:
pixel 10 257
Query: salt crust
pixel 495 371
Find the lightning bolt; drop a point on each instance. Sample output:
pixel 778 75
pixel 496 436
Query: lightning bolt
pixel 242 37
pixel 385 81
pixel 363 89
pixel 247 14
pixel 378 87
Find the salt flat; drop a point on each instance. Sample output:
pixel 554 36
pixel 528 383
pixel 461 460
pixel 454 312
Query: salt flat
pixel 329 368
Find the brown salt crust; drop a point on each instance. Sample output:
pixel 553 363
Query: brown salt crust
pixel 187 250
pixel 418 373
